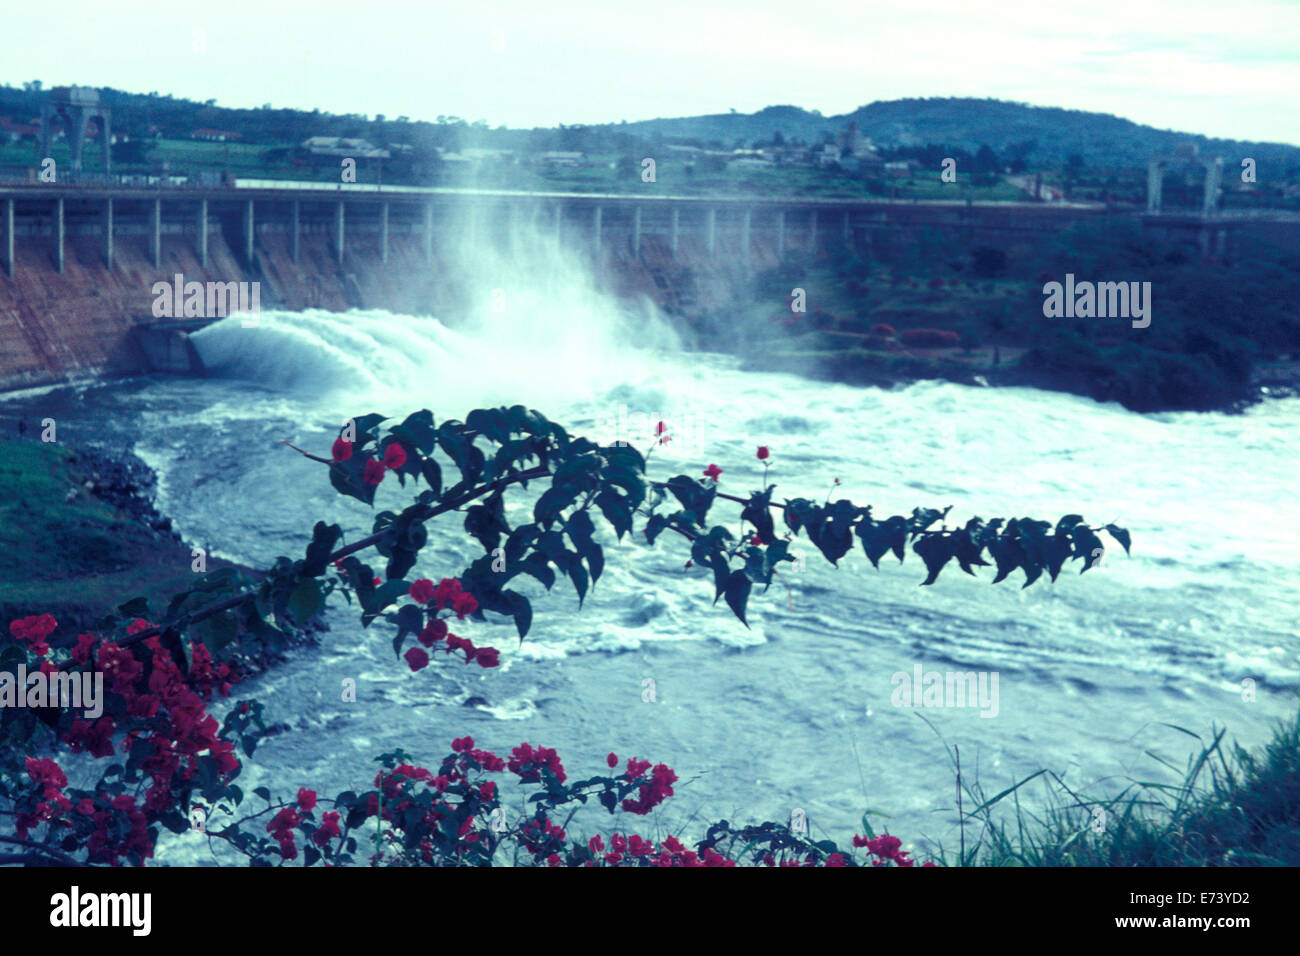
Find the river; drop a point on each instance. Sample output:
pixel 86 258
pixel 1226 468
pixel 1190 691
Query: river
pixel 794 713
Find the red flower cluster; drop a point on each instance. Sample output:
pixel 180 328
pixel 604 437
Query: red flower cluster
pixel 540 835
pixel 712 472
pixel 661 433
pixel 34 630
pixel 450 594
pixel 656 791
pixel 180 732
pixel 394 456
pixel 422 591
pixel 528 763
pixel 281 828
pixel 763 453
pixel 328 829
pixel 342 449
pixel 887 849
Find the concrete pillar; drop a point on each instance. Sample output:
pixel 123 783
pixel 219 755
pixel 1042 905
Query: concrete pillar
pixel 106 139
pixel 203 233
pixel 596 218
pixel 711 231
pixel 428 232
pixel 812 230
pixel 744 237
pixel 9 238
pixel 1155 185
pixel 780 234
pixel 249 233
pixel 58 235
pixel 636 231
pixel 338 231
pixel 673 240
pixel 1213 177
pixel 108 234
pixel 156 245
pixel 383 232
pixel 295 230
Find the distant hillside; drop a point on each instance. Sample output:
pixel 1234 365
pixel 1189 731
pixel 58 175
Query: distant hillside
pixel 1040 136
pixel 1039 133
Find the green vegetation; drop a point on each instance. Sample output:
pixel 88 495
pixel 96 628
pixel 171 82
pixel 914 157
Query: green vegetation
pixel 1213 324
pixel 1232 808
pixel 64 551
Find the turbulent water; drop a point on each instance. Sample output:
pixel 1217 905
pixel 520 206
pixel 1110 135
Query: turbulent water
pixel 794 712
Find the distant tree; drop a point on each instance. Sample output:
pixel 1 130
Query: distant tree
pixel 986 165
pixel 1073 169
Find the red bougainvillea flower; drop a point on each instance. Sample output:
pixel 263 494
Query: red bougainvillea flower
pixel 661 432
pixel 306 799
pixel 487 656
pixel 395 455
pixel 712 472
pixel 328 829
pixel 422 591
pixel 85 644
pixel 465 604
pixel 138 625
pixel 445 594
pixel 34 629
pixel 417 658
pixel 377 581
pixel 612 760
pixel 435 631
pixel 374 472
pixel 596 845
pixel 342 449
pixel 763 453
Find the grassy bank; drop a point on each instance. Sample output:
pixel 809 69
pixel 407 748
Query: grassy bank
pixel 1233 808
pixel 66 551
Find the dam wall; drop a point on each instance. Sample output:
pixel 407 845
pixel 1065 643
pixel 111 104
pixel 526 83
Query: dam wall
pixel 79 264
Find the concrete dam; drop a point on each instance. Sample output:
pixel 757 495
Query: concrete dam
pixel 80 264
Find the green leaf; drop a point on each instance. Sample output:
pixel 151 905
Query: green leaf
pixel 306 601
pixel 347 477
pixel 578 574
pixel 323 538
pixel 432 475
pixel 737 594
pixel 1120 535
pixel 418 430
pixel 218 631
pixel 522 612
pixel 935 550
pixel 617 511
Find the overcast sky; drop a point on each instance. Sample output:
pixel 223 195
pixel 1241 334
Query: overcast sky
pixel 1228 68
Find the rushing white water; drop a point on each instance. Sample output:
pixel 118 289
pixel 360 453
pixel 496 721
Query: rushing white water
pixel 795 711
